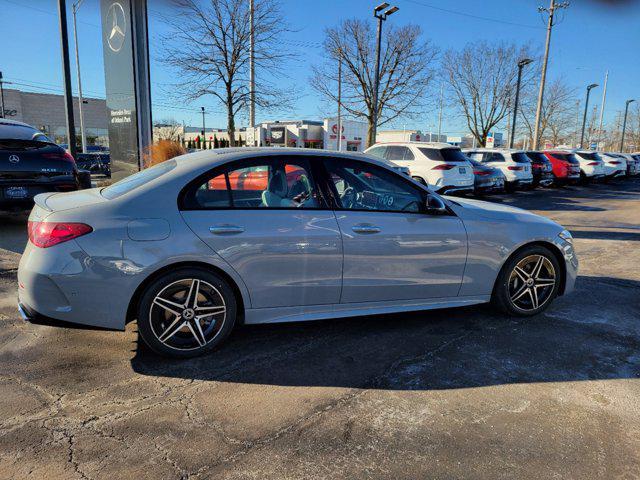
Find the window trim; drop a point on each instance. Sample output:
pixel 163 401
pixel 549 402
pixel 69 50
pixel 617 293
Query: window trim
pixel 234 165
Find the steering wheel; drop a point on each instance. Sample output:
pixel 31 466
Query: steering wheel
pixel 348 197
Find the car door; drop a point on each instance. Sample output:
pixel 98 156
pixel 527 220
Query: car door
pixel 393 250
pixel 267 220
pixel 400 155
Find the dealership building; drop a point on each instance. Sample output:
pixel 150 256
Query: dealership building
pixel 45 111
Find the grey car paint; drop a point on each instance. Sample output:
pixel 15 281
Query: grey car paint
pixel 420 261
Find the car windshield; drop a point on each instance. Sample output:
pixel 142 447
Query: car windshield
pixel 537 157
pixel 444 154
pixel 520 157
pixel 132 182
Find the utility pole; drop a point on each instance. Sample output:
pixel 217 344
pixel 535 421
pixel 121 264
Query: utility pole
pixel 83 136
pixel 381 18
pixel 624 123
pixel 252 68
pixel 339 104
pixel 553 6
pixel 203 137
pixel 575 133
pixel 604 98
pixel 521 64
pixel 440 110
pixel 586 107
pixel 66 76
pixel 1 97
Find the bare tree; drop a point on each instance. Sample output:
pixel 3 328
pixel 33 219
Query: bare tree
pixel 483 78
pixel 557 114
pixel 168 129
pixel 208 46
pixel 405 71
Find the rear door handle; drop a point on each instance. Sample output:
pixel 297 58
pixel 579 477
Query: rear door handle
pixel 364 228
pixel 226 229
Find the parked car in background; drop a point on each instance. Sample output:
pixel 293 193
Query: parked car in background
pixel 632 164
pixel 636 156
pixel 487 179
pixel 98 163
pixel 514 165
pixel 541 168
pixel 441 166
pixel 566 168
pixel 591 165
pixel 615 166
pixel 30 164
pixel 358 239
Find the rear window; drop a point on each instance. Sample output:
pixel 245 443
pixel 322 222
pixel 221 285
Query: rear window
pixel 567 157
pixel 444 154
pixel 537 157
pixel 10 131
pixel 520 157
pixel 136 180
pixel 589 156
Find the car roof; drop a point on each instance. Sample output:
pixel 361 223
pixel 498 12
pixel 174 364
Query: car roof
pixel 7 121
pixel 499 150
pixel 436 145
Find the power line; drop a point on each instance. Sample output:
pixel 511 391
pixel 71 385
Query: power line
pixel 42 10
pixel 470 15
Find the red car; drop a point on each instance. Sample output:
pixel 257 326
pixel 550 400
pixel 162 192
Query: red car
pixel 566 168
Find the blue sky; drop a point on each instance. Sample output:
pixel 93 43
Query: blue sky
pixel 590 38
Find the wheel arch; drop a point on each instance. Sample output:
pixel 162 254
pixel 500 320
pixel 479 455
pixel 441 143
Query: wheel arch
pixel 137 295
pixel 553 248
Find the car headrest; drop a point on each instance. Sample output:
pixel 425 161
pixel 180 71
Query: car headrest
pixel 278 184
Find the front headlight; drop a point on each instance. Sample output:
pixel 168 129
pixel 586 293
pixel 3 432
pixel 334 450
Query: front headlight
pixel 566 235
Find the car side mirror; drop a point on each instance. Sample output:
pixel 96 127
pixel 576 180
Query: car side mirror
pixel 435 205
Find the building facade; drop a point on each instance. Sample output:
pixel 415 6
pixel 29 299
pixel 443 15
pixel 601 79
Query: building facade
pixel 408 136
pixel 45 112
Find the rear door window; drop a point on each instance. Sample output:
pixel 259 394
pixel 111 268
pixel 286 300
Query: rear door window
pixel 520 157
pixel 398 153
pixel 377 152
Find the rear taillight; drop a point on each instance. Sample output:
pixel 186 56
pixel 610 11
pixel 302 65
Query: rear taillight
pixel 66 156
pixel 443 166
pixel 614 162
pixel 47 234
pixel 514 167
pixel 593 164
pixel 480 172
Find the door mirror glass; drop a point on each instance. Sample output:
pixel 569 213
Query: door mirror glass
pixel 435 205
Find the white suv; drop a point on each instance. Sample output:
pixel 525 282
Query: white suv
pixel 591 165
pixel 614 165
pixel 441 166
pixel 514 165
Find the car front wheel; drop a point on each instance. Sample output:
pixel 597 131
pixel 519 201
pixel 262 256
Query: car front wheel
pixel 186 313
pixel 528 282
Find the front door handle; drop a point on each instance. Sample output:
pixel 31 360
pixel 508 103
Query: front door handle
pixel 366 229
pixel 226 229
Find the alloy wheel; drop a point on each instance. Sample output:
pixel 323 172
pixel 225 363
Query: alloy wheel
pixel 187 314
pixel 532 282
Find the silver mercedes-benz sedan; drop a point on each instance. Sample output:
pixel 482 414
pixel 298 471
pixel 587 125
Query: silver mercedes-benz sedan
pixel 193 246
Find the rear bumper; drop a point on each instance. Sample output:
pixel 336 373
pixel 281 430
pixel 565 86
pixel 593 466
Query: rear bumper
pixel 28 314
pixel 449 190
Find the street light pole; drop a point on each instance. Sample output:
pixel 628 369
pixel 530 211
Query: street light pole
pixel 339 104
pixel 83 136
pixel 440 111
pixel 203 136
pixel 521 64
pixel 586 107
pixel 66 76
pixel 1 97
pixel 552 8
pixel 604 99
pixel 624 123
pixel 381 18
pixel 252 66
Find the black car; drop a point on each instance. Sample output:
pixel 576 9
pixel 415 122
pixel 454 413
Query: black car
pixel 30 164
pixel 486 179
pixel 541 168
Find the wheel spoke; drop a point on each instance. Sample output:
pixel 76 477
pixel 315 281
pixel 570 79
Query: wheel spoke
pixel 524 276
pixel 519 293
pixel 197 332
pixel 168 305
pixel 537 267
pixel 533 293
pixel 204 312
pixel 545 282
pixel 192 296
pixel 172 329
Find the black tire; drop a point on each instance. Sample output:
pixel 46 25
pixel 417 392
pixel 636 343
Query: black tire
pixel 509 187
pixel 502 298
pixel 152 319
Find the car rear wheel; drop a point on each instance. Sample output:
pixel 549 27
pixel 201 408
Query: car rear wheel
pixel 528 282
pixel 186 313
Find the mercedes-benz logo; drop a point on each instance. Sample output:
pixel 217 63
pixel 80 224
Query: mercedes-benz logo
pixel 14 158
pixel 117 19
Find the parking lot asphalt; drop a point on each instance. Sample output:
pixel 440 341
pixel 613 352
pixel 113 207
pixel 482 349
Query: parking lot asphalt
pixel 446 394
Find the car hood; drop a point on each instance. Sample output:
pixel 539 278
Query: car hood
pixel 496 212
